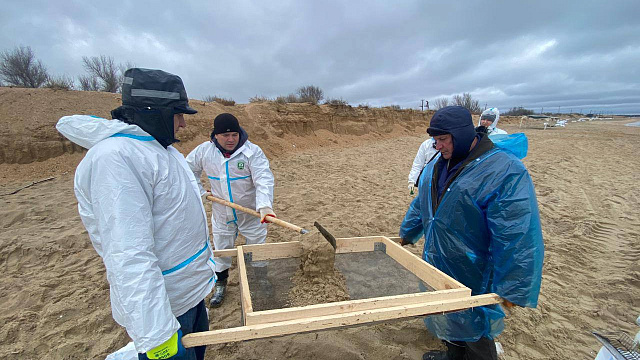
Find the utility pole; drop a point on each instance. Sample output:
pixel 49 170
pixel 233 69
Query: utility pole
pixel 422 105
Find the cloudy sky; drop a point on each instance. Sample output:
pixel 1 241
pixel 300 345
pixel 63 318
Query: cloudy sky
pixel 577 55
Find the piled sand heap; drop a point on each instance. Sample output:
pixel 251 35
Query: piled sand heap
pixel 317 281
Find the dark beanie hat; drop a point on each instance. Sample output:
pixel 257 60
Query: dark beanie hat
pixel 225 123
pixel 457 121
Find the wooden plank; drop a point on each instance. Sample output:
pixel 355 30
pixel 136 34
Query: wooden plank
pixel 396 239
pixel 226 253
pixel 277 315
pixel 425 271
pixel 245 295
pixel 274 250
pixel 334 321
pixel 356 244
pixel 266 251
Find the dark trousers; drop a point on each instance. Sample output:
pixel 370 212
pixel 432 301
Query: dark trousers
pixel 194 320
pixel 222 276
pixel 483 349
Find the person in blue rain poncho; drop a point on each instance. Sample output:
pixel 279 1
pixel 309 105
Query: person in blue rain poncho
pixel 477 209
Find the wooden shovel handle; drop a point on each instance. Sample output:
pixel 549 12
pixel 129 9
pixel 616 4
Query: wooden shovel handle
pixel 270 219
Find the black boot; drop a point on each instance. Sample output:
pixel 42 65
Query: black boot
pixel 218 293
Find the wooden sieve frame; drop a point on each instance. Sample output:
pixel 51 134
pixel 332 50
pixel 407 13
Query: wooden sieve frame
pixel 449 295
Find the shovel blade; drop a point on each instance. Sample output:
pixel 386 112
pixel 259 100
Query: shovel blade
pixel 326 234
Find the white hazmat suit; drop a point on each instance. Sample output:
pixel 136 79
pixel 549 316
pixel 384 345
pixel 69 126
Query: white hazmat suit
pixel 493 128
pixel 425 153
pixel 245 179
pixel 142 209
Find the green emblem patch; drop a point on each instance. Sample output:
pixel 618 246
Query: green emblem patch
pixel 241 165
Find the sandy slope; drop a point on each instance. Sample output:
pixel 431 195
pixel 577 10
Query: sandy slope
pixel 54 300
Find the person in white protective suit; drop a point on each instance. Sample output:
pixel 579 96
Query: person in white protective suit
pixel 142 209
pixel 488 122
pixel 238 172
pixel 426 152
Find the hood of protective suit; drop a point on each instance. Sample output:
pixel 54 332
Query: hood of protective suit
pixel 457 121
pixel 88 130
pixel 150 99
pixel 157 122
pixel 492 112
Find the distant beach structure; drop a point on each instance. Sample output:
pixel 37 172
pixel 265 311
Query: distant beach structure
pixel 637 123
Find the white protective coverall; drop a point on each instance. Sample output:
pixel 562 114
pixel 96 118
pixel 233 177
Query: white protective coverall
pixel 493 128
pixel 142 209
pixel 425 153
pixel 245 179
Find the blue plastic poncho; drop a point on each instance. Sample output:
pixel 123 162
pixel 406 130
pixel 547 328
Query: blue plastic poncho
pixel 516 144
pixel 486 234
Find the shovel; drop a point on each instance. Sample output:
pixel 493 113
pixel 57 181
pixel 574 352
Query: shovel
pixel 326 234
pixel 270 219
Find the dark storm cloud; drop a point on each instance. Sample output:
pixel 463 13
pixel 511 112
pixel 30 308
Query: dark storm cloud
pixel 572 54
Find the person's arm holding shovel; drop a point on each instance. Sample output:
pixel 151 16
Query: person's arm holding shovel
pixel 263 181
pixel 264 213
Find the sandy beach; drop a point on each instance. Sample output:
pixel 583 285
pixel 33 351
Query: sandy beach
pixel 54 296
